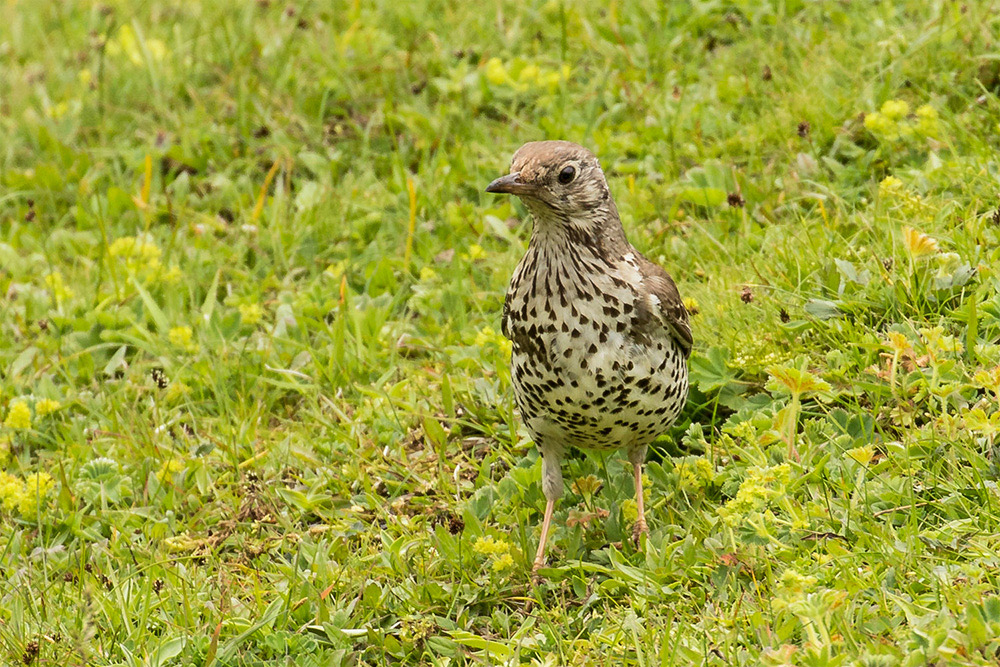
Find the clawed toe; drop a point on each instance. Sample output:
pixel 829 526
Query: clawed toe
pixel 640 529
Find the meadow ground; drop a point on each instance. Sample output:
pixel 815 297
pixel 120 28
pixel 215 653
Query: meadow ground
pixel 254 402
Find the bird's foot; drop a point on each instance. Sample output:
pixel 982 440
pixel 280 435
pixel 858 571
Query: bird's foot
pixel 536 579
pixel 640 529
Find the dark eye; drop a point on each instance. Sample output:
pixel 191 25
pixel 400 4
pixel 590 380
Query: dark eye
pixel 566 175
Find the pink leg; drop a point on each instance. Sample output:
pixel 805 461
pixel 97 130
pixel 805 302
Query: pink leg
pixel 540 554
pixel 640 523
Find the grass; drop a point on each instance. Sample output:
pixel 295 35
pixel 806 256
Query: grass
pixel 254 402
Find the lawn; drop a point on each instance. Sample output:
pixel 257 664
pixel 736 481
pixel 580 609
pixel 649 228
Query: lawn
pixel 255 406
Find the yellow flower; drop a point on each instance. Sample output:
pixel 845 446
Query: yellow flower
pixel 897 342
pixel 11 490
pixel 177 390
pixel 36 487
pixel 895 109
pixel 19 415
pixel 761 486
pixel 476 252
pixel 795 583
pixel 335 271
pixel 795 381
pixel 889 186
pixel 691 305
pixel 927 121
pixel 54 281
pixel 529 74
pixel 586 486
pixel 126 43
pixel 503 562
pixel 485 336
pixel 881 126
pixel 862 455
pixel 694 473
pixel 427 274
pixel 490 547
pixel 251 313
pixel 139 255
pixel 46 406
pixel 630 510
pixel 85 76
pixel 173 275
pixel 181 337
pixel 168 468
pixel 496 73
pixel 917 243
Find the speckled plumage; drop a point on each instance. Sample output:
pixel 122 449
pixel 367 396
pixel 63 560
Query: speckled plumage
pixel 600 335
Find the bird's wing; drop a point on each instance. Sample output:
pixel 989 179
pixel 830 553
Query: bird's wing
pixel 663 307
pixel 504 324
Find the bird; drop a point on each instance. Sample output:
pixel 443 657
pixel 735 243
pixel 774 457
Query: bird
pixel 599 334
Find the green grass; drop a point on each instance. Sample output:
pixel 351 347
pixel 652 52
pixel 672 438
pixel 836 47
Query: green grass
pixel 246 247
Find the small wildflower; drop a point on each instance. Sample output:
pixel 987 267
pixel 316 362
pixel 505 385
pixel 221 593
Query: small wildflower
pixel 173 275
pixel 889 186
pixel 917 243
pixel 895 109
pixel 795 381
pixel 586 486
pixel 898 342
pixel 54 281
pixel 427 274
pixel 485 336
pixel 182 337
pixel 495 72
pixel 503 562
pixel 761 486
pixel 691 305
pixel 36 486
pixel 138 254
pixel 125 42
pixel 46 406
pixel 177 390
pixel 694 473
pixel 19 416
pixel 795 583
pixel 489 546
pixel 862 455
pixel 251 313
pixel 630 510
pixel 335 271
pixel 476 252
pixel 168 468
pixel 881 126
pixel 11 490
pixel 927 121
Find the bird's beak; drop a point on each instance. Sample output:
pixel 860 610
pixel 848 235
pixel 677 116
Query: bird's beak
pixel 510 184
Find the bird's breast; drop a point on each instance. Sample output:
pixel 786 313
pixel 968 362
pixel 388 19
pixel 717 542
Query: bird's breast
pixel 579 376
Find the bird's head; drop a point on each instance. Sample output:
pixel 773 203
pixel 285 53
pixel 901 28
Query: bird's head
pixel 557 181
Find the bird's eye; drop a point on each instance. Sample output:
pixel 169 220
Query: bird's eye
pixel 567 175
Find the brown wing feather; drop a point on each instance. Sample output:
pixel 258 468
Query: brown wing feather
pixel 671 314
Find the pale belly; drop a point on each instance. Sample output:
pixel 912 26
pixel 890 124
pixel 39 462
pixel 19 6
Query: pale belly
pixel 574 390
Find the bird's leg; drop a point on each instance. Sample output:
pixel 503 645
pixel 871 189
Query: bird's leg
pixel 540 554
pixel 637 457
pixel 552 487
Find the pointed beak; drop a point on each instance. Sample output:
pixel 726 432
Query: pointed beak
pixel 510 184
